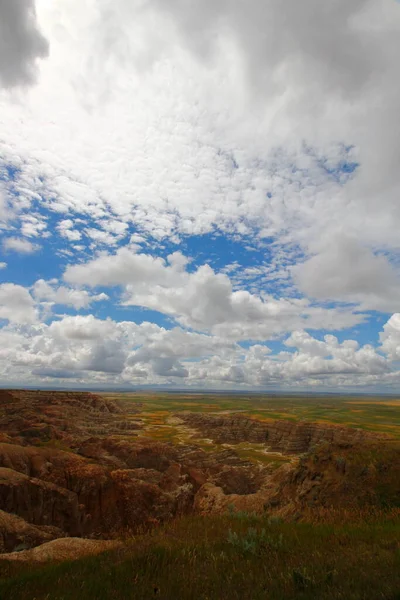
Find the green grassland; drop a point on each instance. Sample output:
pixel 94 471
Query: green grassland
pixel 232 557
pixel 374 414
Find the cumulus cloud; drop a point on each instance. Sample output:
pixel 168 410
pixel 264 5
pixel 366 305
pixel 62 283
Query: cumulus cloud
pixel 126 353
pixel 390 337
pixel 325 364
pixel 202 299
pixel 85 344
pixel 67 230
pixel 21 43
pixel 16 304
pixel 346 271
pixel 43 291
pixel 165 351
pixel 5 208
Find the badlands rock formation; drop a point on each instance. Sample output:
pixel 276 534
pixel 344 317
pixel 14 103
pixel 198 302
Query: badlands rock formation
pixel 111 481
pixel 77 465
pixel 30 417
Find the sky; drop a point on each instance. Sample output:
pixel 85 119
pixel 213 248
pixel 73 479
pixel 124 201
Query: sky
pixel 200 195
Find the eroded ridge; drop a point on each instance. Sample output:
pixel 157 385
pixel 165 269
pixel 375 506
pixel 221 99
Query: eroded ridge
pixel 288 437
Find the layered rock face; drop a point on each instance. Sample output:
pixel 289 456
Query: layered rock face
pixel 287 437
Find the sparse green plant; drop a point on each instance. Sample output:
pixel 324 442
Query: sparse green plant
pixel 242 515
pixel 254 541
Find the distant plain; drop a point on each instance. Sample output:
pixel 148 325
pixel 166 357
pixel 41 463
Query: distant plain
pixel 156 413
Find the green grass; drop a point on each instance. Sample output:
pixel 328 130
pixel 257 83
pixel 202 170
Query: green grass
pixel 227 558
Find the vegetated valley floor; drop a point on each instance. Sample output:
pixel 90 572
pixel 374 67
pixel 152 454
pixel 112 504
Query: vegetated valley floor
pixel 199 496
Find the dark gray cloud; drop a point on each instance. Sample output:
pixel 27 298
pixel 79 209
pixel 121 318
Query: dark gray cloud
pixel 314 40
pixel 21 43
pixel 56 373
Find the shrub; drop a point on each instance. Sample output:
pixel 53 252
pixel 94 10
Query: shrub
pixel 241 515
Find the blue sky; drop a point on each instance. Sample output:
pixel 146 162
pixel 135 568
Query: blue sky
pixel 181 213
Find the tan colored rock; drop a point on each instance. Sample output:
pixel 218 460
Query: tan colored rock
pixel 210 499
pixel 62 549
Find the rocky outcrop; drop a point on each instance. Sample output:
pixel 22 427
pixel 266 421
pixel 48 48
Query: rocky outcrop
pixel 29 417
pixel 114 485
pixel 39 502
pixel 340 476
pixel 287 437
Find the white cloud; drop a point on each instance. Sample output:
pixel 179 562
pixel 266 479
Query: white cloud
pixel 390 337
pixel 16 304
pixel 33 226
pixel 101 237
pixel 272 120
pixel 118 269
pixel 78 299
pixel 84 348
pixel 3 265
pixel 73 235
pixel 19 245
pixel 329 364
pixel 346 271
pixel 67 230
pixel 78 344
pixel 149 151
pixel 5 208
pixel 203 299
pixel 119 228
